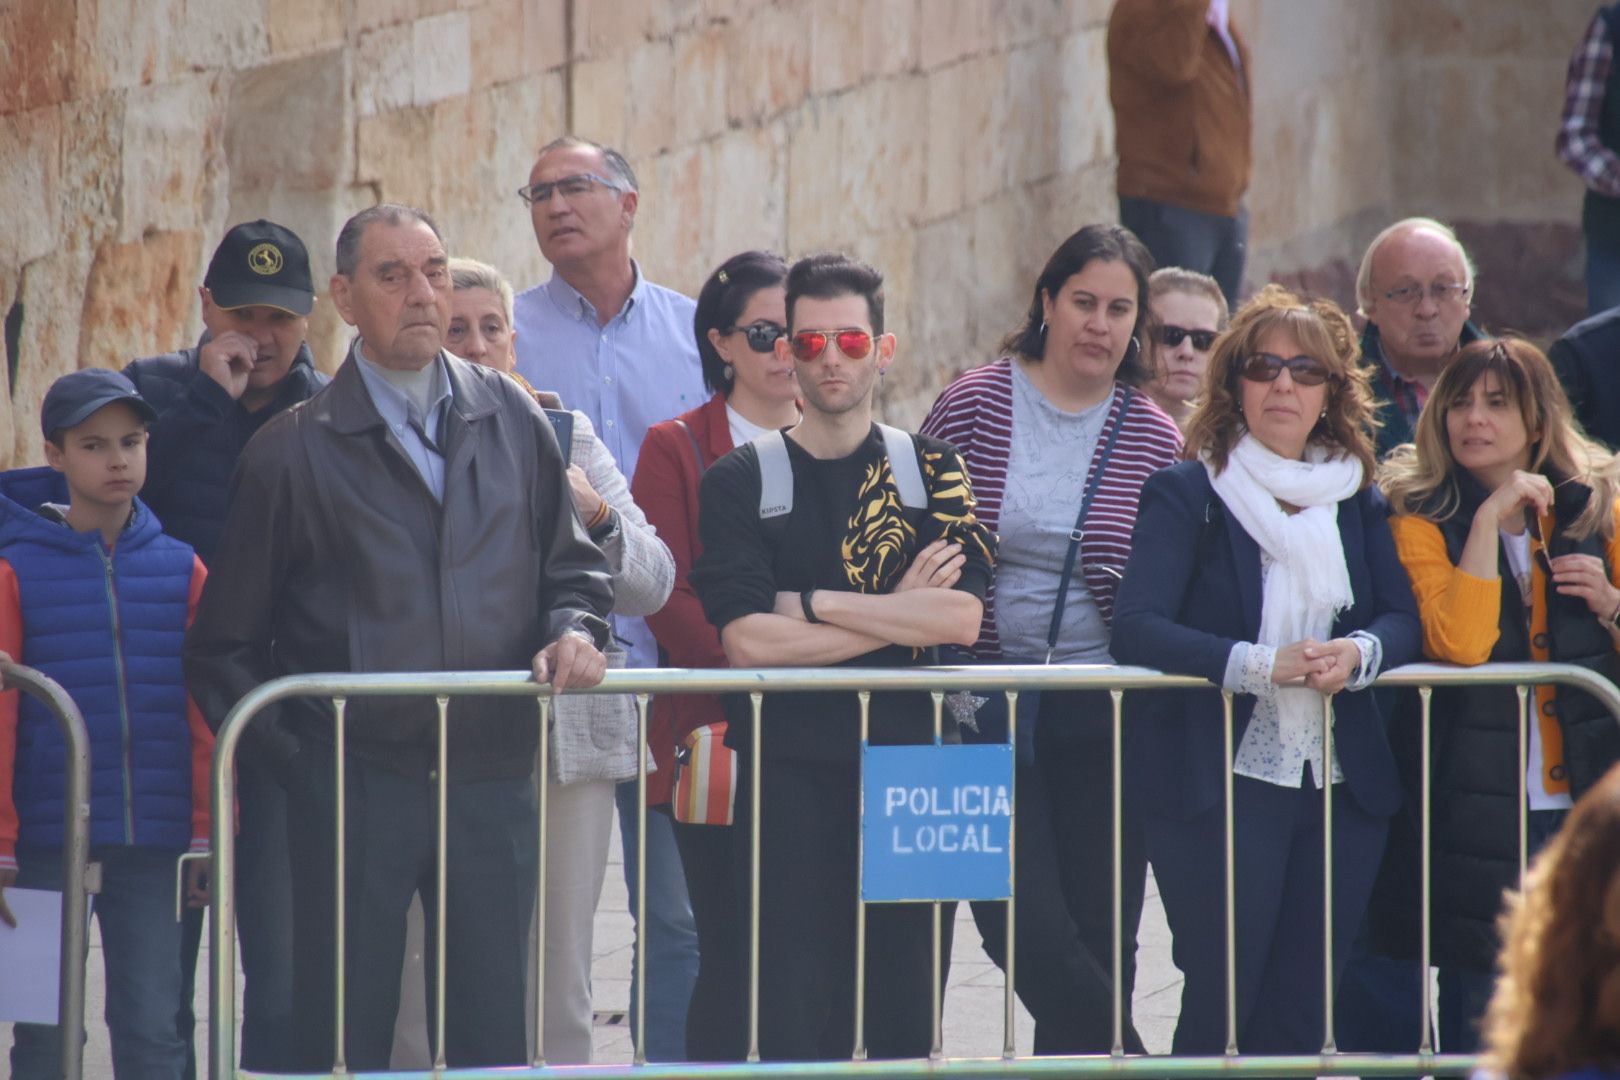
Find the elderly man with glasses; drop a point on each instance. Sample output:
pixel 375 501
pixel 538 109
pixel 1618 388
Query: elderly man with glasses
pixel 620 349
pixel 1414 288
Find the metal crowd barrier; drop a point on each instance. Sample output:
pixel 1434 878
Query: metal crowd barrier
pixel 77 883
pixel 937 680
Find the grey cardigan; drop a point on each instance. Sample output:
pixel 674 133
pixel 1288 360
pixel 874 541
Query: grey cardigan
pixel 594 736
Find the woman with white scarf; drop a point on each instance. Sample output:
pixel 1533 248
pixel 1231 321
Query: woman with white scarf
pixel 1265 564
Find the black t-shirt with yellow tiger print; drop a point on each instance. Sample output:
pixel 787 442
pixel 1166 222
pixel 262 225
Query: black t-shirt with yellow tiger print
pixel 847 531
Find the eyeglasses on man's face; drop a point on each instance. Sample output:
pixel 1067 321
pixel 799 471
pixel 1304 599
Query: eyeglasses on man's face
pixel 808 345
pixel 570 187
pixel 1441 292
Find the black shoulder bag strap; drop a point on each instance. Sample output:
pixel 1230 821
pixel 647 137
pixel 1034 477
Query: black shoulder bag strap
pixel 1078 532
pixel 697 451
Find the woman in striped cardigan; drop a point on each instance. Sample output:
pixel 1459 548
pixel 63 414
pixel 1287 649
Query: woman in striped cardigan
pixel 1057 416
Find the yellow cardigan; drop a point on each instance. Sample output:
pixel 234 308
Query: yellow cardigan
pixel 1461 616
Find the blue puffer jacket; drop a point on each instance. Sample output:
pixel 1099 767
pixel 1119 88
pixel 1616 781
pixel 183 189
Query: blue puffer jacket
pixel 110 630
pixel 199 433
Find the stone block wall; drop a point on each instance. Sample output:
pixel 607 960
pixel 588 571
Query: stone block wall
pixel 950 142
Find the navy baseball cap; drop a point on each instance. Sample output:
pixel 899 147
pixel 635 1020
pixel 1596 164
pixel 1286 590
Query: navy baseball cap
pixel 72 398
pixel 260 262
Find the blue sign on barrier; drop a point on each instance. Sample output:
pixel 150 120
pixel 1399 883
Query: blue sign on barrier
pixel 936 823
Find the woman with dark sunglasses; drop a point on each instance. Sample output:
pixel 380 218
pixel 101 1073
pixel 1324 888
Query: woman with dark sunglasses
pixel 741 312
pixel 1057 424
pixel 1506 521
pixel 1265 564
pixel 1190 310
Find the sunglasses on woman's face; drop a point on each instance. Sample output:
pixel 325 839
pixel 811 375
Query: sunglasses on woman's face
pixel 761 335
pixel 1304 370
pixel 810 344
pixel 1171 336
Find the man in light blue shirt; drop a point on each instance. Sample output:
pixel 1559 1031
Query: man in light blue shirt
pixel 621 350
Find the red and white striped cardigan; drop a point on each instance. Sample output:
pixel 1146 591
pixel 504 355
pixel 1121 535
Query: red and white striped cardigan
pixel 975 413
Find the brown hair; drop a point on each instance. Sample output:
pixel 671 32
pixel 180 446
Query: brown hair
pixel 1556 1007
pixel 1324 331
pixel 1420 477
pixel 1092 243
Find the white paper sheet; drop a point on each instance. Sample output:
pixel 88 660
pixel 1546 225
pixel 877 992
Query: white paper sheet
pixel 31 957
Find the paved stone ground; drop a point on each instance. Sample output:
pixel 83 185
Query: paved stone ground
pixel 973 1000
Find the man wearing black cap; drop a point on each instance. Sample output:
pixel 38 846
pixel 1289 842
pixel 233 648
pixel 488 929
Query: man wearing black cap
pixel 251 363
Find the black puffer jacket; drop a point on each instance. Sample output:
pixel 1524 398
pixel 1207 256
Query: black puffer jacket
pixel 1475 763
pixel 198 435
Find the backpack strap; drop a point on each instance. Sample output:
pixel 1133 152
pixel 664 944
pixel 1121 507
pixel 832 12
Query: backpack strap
pixel 776 471
pixel 775 475
pixel 902 451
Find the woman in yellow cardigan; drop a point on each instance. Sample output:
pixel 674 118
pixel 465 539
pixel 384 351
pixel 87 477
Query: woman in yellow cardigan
pixel 1506 522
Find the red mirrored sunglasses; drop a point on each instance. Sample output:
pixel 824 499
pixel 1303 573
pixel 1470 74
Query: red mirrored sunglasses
pixel 809 344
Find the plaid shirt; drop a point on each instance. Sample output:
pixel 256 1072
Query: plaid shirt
pixel 1580 145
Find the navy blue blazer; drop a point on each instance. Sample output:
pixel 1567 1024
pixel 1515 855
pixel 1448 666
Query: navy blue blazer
pixel 1192 591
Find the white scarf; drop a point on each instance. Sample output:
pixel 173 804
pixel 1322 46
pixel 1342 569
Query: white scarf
pixel 1308 583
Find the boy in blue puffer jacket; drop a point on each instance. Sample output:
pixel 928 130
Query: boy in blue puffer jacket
pixel 93 594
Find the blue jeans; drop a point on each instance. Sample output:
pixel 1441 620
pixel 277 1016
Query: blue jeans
pixel 140 943
pixel 672 952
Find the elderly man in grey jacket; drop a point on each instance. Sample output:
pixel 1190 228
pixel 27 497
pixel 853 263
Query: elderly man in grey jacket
pixel 415 515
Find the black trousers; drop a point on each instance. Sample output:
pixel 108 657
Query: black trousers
pixel 1063 882
pixel 717 1018
pixel 1278 881
pixel 809 819
pixel 391 841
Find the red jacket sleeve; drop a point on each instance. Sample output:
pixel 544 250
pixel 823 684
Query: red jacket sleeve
pixel 11 638
pixel 665 487
pixel 202 738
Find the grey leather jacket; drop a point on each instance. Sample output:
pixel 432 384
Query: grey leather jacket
pixel 335 556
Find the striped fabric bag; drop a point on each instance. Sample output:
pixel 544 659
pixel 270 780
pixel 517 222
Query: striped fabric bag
pixel 705 777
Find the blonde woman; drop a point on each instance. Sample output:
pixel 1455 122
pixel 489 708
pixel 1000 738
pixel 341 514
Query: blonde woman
pixel 594 741
pixel 1190 310
pixel 1505 520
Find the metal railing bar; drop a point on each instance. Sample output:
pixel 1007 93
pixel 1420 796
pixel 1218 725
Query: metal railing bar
pixel 75 859
pixel 1009 1006
pixel 641 879
pixel 1117 699
pixel 537 962
pixel 992 1068
pixel 937 680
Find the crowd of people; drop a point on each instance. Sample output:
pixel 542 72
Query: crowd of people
pixel 601 472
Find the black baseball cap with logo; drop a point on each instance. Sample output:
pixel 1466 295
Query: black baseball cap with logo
pixel 260 262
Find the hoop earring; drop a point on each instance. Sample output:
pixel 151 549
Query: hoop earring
pixel 1043 330
pixel 1137 345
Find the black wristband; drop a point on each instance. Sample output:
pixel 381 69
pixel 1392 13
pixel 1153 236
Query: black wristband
pixel 804 602
pixel 606 527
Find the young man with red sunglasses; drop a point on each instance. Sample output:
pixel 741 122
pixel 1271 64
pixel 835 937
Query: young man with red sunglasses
pixel 862 559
